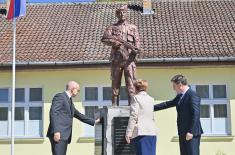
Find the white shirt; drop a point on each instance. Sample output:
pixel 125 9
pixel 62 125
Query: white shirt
pixel 68 94
pixel 184 92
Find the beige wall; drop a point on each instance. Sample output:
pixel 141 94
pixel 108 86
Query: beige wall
pixel 53 81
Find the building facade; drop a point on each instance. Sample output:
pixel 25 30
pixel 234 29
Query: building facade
pixel 36 88
pixel 61 42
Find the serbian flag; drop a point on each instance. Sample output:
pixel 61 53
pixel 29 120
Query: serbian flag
pixel 16 8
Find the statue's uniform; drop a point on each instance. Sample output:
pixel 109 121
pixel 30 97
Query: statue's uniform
pixel 120 57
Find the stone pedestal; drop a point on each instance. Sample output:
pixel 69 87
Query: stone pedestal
pixel 110 134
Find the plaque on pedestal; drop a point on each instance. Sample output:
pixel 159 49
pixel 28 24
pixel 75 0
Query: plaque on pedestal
pixel 119 132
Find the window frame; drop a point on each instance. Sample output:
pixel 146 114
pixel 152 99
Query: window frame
pixel 9 98
pixel 100 101
pixel 88 130
pixel 26 105
pixel 216 101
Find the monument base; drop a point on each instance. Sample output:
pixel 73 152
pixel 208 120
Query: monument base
pixel 110 134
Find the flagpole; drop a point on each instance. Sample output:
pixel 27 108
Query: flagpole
pixel 13 89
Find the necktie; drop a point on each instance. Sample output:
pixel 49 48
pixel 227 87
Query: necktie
pixel 180 96
pixel 71 106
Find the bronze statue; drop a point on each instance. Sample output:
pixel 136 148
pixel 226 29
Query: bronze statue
pixel 125 42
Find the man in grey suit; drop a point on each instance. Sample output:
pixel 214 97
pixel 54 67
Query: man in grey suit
pixel 61 119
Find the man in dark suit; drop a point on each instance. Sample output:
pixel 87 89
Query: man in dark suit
pixel 187 104
pixel 61 119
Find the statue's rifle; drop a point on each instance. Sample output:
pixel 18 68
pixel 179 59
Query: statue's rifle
pixel 134 50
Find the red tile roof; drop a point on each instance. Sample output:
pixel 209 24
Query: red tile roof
pixel 72 32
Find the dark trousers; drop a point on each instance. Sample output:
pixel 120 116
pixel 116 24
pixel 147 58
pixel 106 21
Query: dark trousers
pixel 190 147
pixel 145 145
pixel 58 148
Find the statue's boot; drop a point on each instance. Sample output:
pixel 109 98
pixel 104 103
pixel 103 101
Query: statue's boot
pixel 115 101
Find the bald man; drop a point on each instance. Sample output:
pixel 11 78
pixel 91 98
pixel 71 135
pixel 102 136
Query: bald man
pixel 61 119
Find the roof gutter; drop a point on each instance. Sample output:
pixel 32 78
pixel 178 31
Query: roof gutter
pixel 148 60
pixel 193 59
pixel 58 63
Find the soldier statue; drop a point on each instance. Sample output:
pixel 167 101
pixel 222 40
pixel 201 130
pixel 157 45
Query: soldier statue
pixel 125 42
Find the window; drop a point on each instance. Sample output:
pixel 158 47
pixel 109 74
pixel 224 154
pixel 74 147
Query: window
pixel 219 91
pixel 107 93
pixel 35 94
pixel 19 95
pixel 3 114
pixel 3 121
pixel 205 111
pixel 19 113
pixel 214 108
pixel 90 111
pixel 203 91
pixel 28 112
pixel 91 93
pixel 220 111
pixel 98 96
pixel 88 129
pixel 4 95
pixel 102 96
pixel 123 93
pixel 35 113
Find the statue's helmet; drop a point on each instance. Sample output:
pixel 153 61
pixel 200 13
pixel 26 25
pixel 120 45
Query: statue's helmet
pixel 122 8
